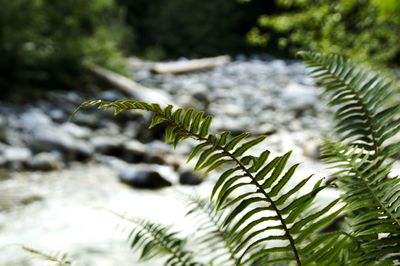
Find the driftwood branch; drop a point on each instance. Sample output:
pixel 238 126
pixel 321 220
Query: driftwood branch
pixel 190 65
pixel 130 87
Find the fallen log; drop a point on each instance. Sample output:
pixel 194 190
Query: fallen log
pixel 180 67
pixel 130 87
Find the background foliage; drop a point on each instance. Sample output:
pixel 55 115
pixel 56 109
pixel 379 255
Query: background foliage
pixel 174 28
pixel 44 41
pixel 362 29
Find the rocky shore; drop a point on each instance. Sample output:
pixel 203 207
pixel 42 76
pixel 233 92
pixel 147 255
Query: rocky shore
pixel 57 172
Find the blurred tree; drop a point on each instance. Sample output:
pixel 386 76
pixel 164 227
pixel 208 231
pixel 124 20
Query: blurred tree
pixel 47 42
pixel 388 8
pixel 367 30
pixel 192 28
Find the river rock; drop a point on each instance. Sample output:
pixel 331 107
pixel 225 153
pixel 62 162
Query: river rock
pixel 110 95
pixel 58 115
pixel 45 162
pixel 149 179
pixel 20 154
pixel 3 162
pixel 312 150
pixel 15 157
pixel 85 151
pixel 299 98
pixel 190 178
pixel 134 151
pixel 76 131
pixel 49 138
pixel 90 120
pixel 108 145
pixel 42 135
pixel 34 118
pixel 3 127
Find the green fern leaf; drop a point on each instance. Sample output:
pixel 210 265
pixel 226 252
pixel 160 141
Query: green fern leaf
pixel 156 240
pixel 373 198
pixel 360 98
pixel 215 243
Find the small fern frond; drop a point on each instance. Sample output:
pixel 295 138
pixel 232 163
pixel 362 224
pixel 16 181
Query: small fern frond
pixel 359 98
pixel 58 258
pixel 156 241
pixel 267 218
pixel 372 197
pixel 214 235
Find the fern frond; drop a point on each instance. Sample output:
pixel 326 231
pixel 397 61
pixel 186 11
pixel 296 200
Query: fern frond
pixel 214 235
pixel 270 217
pixel 360 98
pixel 373 199
pixel 59 258
pixel 156 241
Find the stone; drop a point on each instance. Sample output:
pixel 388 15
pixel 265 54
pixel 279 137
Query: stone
pixel 76 131
pixel 108 145
pixel 49 138
pixel 279 66
pixel 189 178
pixel 58 115
pixel 29 199
pixel 17 154
pixel 298 97
pixel 3 161
pixel 33 119
pixel 110 95
pixel 74 97
pixel 312 151
pixel 187 101
pixel 147 179
pixel 240 58
pixel 199 92
pixel 42 135
pixel 3 128
pixel 13 137
pixel 155 159
pixel 85 151
pixel 15 157
pixel 146 135
pixel 134 151
pixel 45 162
pixel 89 120
pixel 3 121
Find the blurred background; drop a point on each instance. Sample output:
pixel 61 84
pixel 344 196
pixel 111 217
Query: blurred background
pixel 58 175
